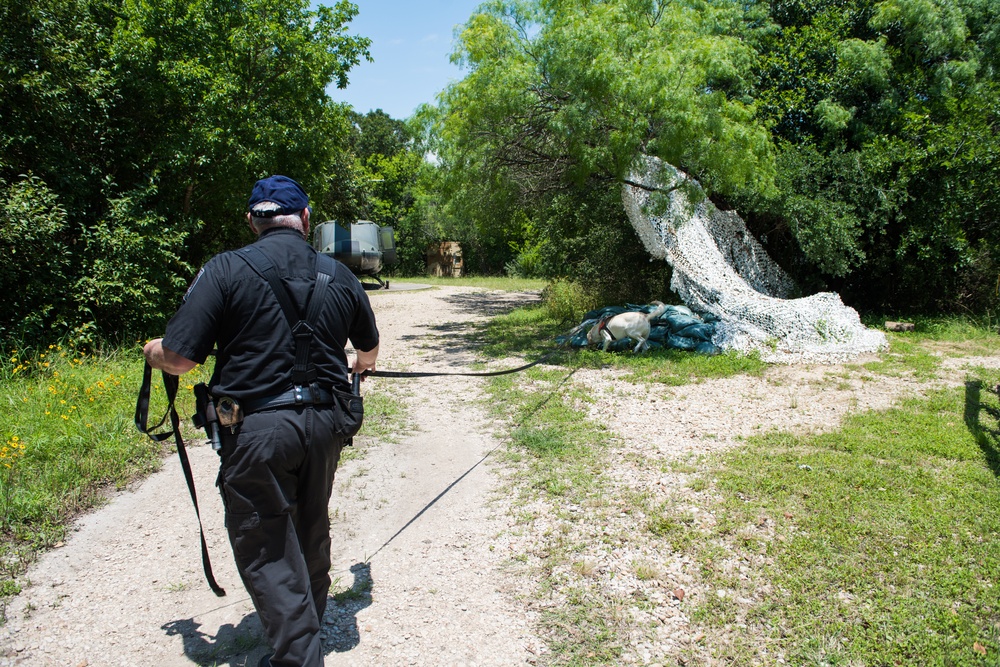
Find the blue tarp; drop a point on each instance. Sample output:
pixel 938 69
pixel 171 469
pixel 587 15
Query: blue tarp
pixel 676 328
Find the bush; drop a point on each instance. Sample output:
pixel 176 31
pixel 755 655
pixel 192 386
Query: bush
pixel 36 266
pixel 133 272
pixel 589 238
pixel 566 301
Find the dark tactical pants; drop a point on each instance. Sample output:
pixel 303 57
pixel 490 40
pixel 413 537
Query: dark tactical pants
pixel 276 479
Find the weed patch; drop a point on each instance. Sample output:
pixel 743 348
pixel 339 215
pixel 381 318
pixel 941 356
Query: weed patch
pixel 66 421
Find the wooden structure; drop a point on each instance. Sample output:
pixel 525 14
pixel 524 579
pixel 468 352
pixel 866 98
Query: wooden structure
pixel 445 259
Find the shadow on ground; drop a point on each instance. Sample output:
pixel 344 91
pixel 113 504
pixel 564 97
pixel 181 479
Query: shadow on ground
pixel 243 645
pixel 451 338
pixel 491 304
pixel 982 417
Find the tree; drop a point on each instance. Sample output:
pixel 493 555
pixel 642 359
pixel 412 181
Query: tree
pixel 563 95
pixel 885 118
pixel 146 122
pixel 381 184
pixel 235 91
pixel 857 136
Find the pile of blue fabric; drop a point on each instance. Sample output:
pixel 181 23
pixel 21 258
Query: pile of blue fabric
pixel 677 328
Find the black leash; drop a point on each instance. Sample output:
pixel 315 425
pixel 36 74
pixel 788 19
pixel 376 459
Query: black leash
pixel 418 374
pixel 170 383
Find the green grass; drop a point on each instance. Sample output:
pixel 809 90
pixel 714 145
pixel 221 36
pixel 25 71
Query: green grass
pixel 559 455
pixel 878 544
pixel 919 353
pixel 385 419
pixel 67 436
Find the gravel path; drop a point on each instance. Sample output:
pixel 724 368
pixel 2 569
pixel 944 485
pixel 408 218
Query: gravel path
pixel 420 531
pixel 414 521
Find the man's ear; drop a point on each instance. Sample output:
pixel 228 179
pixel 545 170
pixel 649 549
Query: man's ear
pixel 250 222
pixel 305 223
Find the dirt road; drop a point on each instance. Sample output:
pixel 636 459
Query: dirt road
pixel 422 537
pixel 417 533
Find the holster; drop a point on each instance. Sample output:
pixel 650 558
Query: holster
pixel 204 414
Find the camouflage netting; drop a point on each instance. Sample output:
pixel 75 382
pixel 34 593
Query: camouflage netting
pixel 720 270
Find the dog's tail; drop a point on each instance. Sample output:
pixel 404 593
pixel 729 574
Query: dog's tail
pixel 656 312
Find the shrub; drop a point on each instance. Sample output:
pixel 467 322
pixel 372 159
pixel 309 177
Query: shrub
pixel 566 301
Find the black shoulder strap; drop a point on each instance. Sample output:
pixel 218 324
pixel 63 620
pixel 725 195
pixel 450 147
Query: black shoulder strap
pixel 303 372
pixel 170 383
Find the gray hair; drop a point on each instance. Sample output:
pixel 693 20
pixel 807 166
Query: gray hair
pixel 293 220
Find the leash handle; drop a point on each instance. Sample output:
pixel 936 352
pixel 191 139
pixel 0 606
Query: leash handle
pixel 142 407
pixel 170 384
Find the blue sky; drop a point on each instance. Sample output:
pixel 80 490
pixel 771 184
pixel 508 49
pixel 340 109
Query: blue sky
pixel 411 42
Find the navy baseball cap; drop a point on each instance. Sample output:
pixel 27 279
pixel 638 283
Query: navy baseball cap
pixel 281 190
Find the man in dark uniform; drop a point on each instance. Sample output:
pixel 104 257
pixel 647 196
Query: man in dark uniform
pixel 278 465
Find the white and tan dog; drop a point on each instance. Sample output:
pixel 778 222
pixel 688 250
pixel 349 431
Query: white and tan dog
pixel 625 325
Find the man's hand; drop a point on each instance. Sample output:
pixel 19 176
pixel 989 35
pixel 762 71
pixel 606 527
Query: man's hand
pixel 365 361
pixel 165 359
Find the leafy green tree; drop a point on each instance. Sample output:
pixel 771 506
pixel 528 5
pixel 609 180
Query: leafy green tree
pixel 560 90
pixel 871 177
pixel 57 93
pixel 885 116
pixel 378 133
pixel 381 184
pixel 560 99
pixel 146 122
pixel 235 91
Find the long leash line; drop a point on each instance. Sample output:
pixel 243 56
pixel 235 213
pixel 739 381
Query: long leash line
pixel 427 374
pixel 448 488
pixel 170 384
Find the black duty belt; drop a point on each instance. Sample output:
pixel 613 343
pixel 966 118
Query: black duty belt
pixel 295 396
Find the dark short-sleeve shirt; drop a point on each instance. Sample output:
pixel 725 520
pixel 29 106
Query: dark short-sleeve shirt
pixel 231 307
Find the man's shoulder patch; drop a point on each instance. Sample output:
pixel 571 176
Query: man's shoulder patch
pixel 193 283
